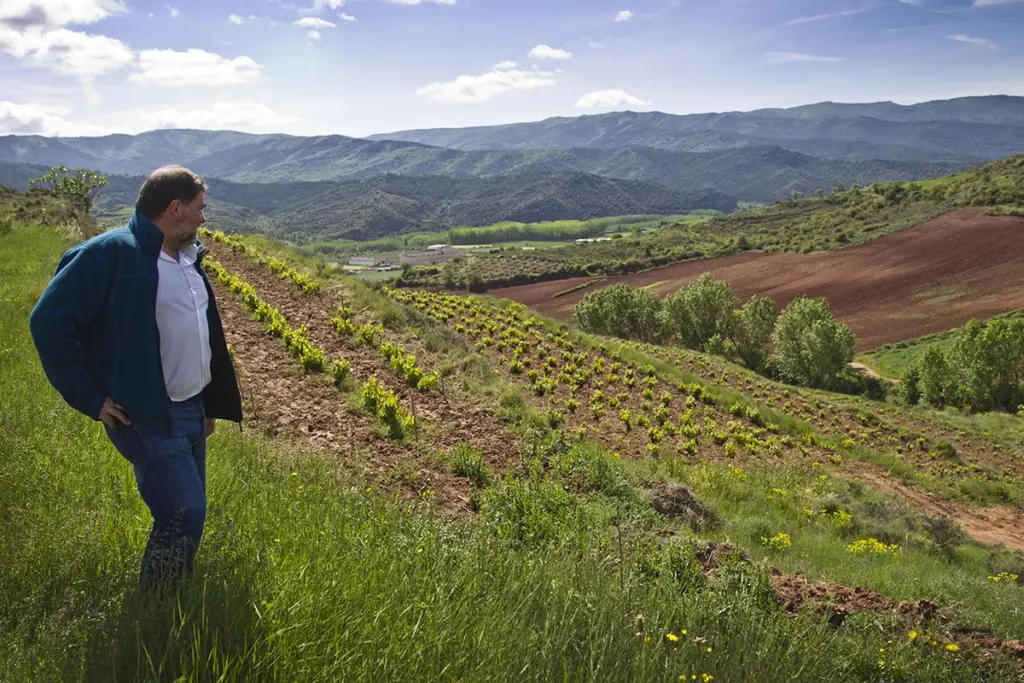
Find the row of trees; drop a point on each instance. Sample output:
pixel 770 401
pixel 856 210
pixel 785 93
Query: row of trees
pixel 983 369
pixel 811 346
pixel 516 232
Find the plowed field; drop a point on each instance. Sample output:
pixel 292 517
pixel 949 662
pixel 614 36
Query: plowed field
pixel 930 278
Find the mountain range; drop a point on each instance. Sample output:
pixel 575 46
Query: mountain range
pixel 642 162
pixel 964 129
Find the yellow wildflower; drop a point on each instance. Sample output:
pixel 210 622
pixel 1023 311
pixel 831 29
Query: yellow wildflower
pixel 952 647
pixel 912 635
pixel 707 677
pixel 671 636
pixel 709 649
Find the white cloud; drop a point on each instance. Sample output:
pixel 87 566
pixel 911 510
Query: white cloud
pixel 41 119
pixel 507 64
pixel 605 99
pixel 235 19
pixel 417 2
pixel 347 17
pixel 318 5
pixel 168 68
pixel 71 53
pixel 174 12
pixel 314 35
pixel 486 86
pixel 992 3
pixel 819 17
pixel 314 22
pixel 548 52
pixel 624 15
pixel 964 38
pixel 24 14
pixel 798 57
pixel 218 116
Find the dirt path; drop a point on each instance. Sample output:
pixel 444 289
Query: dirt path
pixel 997 524
pixel 871 372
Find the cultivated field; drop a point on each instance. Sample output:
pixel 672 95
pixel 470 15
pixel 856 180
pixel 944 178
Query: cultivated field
pixel 962 265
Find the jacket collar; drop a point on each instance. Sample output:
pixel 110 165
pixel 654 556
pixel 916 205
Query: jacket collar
pixel 149 237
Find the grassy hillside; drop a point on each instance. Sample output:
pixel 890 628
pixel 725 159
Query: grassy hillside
pixel 365 555
pixel 841 218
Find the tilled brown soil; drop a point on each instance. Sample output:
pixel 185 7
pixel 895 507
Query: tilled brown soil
pixel 307 412
pixel 927 279
pixel 445 417
pixel 284 402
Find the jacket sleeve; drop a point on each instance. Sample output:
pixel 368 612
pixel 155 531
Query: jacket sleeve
pixel 70 302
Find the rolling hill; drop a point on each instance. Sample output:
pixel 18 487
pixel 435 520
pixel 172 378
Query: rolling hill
pixel 392 204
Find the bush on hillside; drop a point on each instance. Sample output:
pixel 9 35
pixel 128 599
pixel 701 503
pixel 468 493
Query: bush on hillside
pixel 812 347
pixel 699 311
pixel 621 311
pixel 751 329
pixel 982 370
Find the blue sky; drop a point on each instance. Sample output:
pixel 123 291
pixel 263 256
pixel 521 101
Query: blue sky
pixel 85 67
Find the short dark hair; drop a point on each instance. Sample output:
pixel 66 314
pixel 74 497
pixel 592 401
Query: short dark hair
pixel 166 184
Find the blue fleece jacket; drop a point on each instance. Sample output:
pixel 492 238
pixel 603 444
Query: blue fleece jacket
pixel 95 330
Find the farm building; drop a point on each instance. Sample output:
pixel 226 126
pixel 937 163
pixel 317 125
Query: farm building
pixel 585 240
pixel 362 261
pixel 435 253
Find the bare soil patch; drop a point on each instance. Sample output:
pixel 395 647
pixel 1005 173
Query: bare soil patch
pixel 927 279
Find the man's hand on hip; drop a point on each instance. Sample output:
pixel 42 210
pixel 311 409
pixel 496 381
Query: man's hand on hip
pixel 211 424
pixel 110 413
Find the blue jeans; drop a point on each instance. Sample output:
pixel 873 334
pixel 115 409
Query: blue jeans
pixel 170 472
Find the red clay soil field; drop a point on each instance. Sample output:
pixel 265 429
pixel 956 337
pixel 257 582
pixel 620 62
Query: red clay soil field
pixel 927 279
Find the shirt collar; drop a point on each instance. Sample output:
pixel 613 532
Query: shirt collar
pixel 187 254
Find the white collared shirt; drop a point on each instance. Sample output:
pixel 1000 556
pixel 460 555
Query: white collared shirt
pixel 181 303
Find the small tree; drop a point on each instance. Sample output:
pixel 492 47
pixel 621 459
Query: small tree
pixel 621 311
pixel 751 329
pixel 935 382
pixel 79 187
pixel 699 311
pixel 811 345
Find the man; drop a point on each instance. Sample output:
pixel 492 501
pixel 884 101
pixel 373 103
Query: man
pixel 128 332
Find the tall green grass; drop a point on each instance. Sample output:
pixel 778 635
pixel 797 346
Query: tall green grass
pixel 306 575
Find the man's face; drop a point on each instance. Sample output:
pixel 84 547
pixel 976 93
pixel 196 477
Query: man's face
pixel 189 217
